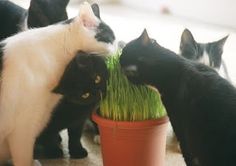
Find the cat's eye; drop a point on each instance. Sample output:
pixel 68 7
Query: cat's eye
pixel 85 95
pixel 98 79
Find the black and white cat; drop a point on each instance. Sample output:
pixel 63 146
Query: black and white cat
pixel 14 18
pixel 82 86
pixel 209 54
pixel 200 104
pixel 32 63
pixel 40 13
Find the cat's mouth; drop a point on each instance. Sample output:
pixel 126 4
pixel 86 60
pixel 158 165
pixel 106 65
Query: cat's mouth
pixel 130 70
pixel 132 74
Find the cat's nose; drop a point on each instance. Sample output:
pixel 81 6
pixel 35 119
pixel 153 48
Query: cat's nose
pixel 121 44
pixel 113 48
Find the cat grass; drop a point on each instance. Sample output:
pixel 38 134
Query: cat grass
pixel 126 101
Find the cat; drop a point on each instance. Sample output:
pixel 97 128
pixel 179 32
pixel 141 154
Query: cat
pixel 32 63
pixel 40 13
pixel 209 54
pixel 50 133
pixel 82 86
pixel 200 103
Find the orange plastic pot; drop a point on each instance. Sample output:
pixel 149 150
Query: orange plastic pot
pixel 140 143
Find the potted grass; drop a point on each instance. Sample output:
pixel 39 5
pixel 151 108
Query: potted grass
pixel 132 122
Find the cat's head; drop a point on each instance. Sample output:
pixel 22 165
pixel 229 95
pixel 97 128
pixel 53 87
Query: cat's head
pixel 94 34
pixel 140 57
pixel 43 12
pixel 207 53
pixel 84 79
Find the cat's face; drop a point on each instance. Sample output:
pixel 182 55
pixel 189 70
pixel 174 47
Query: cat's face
pixel 96 36
pixel 138 58
pixel 84 79
pixel 209 54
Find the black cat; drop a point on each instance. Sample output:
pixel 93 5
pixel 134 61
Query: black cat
pixel 201 104
pixel 82 85
pixel 14 18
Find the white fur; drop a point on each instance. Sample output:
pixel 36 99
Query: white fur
pixel 33 64
pixel 205 58
pixel 24 26
pixel 97 139
pixel 132 68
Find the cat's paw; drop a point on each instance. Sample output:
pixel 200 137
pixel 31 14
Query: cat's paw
pixel 6 163
pixel 53 153
pixel 78 153
pixel 47 152
pixel 37 163
pixel 96 139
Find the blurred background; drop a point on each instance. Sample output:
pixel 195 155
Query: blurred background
pixel 165 20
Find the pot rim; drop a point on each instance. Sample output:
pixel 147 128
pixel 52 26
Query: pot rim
pixel 128 124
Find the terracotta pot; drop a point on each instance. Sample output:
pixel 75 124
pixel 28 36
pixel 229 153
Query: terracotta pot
pixel 140 143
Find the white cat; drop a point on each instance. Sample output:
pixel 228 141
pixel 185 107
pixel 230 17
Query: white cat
pixel 32 63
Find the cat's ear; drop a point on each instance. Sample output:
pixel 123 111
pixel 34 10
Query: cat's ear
pixel 87 17
pixel 96 10
pixel 144 38
pixel 187 39
pixel 220 43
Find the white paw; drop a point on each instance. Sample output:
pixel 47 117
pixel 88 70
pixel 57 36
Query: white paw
pixel 96 139
pixel 37 163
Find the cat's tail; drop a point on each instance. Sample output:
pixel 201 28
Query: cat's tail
pixel 226 74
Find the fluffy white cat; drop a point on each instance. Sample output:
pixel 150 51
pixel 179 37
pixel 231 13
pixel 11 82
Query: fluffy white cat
pixel 32 63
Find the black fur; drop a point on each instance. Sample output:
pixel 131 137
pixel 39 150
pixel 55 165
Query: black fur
pixel 68 21
pixel 1 55
pixel 96 10
pixel 200 104
pixel 73 110
pixel 105 34
pixel 40 13
pixel 11 16
pixel 44 12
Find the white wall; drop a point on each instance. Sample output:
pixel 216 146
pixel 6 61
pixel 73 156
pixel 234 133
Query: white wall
pixel 220 12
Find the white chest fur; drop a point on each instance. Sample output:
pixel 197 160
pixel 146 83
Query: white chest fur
pixel 31 70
